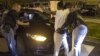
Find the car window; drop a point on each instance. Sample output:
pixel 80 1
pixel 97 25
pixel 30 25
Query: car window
pixel 33 15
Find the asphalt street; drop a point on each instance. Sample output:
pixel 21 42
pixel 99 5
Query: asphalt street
pixel 94 52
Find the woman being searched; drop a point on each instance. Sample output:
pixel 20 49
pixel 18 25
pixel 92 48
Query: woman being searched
pixel 79 30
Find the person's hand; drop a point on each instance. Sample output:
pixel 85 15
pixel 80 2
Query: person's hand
pixel 59 30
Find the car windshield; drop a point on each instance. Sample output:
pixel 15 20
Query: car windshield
pixel 32 14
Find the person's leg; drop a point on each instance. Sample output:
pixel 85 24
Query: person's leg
pixel 13 43
pixel 5 35
pixel 57 43
pixel 65 43
pixel 9 36
pixel 78 36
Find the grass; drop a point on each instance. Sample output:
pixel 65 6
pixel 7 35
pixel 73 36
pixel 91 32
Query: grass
pixel 94 30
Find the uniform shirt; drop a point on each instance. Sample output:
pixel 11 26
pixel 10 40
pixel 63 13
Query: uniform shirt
pixel 60 18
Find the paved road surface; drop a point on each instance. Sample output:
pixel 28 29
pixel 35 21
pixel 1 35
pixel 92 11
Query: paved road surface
pixel 93 49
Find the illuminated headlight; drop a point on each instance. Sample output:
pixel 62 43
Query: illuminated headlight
pixel 37 37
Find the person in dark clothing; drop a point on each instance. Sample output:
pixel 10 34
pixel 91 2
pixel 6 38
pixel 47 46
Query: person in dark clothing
pixel 9 25
pixel 78 29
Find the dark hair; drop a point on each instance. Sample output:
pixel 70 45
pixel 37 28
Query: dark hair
pixel 67 5
pixel 37 4
pixel 60 5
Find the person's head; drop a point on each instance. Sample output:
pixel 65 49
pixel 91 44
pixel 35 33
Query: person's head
pixel 37 5
pixel 73 8
pixel 16 7
pixel 60 5
pixel 67 5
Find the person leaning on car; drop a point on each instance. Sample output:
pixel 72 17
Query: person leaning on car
pixel 9 25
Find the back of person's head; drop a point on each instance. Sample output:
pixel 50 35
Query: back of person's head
pixel 37 4
pixel 67 5
pixel 60 5
pixel 73 8
pixel 16 7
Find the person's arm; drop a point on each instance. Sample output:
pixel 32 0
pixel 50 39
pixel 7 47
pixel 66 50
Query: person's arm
pixel 15 15
pixel 22 23
pixel 80 19
pixel 69 21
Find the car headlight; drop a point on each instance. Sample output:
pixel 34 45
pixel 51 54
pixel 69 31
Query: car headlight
pixel 37 37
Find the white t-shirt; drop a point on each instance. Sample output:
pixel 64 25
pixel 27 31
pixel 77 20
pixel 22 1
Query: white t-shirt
pixel 60 18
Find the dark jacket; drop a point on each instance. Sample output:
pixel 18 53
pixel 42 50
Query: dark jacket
pixel 10 18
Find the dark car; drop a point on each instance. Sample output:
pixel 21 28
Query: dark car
pixel 37 38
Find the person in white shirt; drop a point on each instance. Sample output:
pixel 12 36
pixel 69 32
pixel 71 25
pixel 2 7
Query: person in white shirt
pixel 60 38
